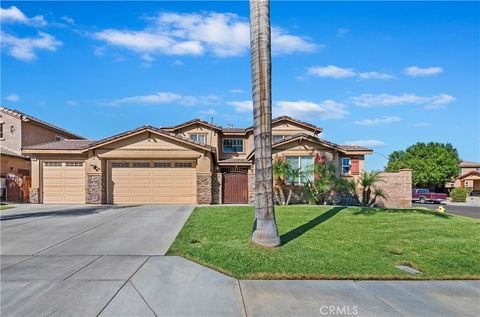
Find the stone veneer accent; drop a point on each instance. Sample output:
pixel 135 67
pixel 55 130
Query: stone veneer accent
pixel 34 194
pixel 217 188
pixel 398 187
pixel 94 194
pixel 251 188
pixel 204 188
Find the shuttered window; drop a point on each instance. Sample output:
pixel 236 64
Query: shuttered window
pixel 355 167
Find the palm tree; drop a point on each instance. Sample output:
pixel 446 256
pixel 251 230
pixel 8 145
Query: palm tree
pixel 367 185
pixel 265 231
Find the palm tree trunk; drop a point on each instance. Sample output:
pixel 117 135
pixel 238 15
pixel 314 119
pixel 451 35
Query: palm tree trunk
pixel 265 231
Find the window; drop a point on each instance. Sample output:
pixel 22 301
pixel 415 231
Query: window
pixel 120 164
pixel 59 138
pixel 305 166
pixel 345 165
pixel 141 164
pixel 232 145
pixel 200 138
pixel 355 167
pixel 1 130
pixel 422 191
pixel 53 164
pixel 183 164
pixel 74 164
pixel 276 138
pixel 162 164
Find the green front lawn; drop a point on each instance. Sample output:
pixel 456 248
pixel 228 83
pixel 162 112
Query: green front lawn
pixel 334 243
pixel 5 206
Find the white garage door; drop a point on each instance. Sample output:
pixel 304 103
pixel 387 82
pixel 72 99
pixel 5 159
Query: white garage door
pixel 153 182
pixel 63 182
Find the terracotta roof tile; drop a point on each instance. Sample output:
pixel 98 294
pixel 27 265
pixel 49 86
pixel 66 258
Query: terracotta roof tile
pixel 469 164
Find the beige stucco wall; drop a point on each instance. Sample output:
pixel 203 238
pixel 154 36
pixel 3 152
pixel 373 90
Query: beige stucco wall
pixel 9 164
pixel 36 134
pixel 11 140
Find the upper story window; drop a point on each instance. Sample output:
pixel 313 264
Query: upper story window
pixel 346 165
pixel 276 138
pixel 200 138
pixel 1 130
pixel 59 138
pixel 232 145
pixel 305 166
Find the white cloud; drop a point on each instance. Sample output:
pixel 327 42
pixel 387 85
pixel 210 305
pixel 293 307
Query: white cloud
pixel 14 15
pixel 336 72
pixel 367 143
pixel 176 63
pixel 242 106
pixel 69 20
pixel 327 109
pixel 236 91
pixel 375 75
pixel 415 71
pixel 331 71
pixel 221 34
pixel 13 97
pixel 25 49
pixel 422 125
pixel 378 121
pixel 208 112
pixel 72 103
pixel 385 100
pixel 165 98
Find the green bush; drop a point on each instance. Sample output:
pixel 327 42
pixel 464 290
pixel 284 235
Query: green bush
pixel 459 195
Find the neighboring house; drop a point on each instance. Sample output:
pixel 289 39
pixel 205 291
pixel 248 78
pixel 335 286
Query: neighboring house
pixel 193 162
pixel 469 177
pixel 18 130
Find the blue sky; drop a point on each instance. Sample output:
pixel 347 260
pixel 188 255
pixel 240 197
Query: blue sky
pixel 384 75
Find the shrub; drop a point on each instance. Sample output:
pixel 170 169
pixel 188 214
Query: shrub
pixel 459 195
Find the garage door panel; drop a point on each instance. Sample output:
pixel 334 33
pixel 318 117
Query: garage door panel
pixel 63 183
pixel 153 185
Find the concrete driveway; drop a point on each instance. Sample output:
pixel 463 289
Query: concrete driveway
pixel 108 261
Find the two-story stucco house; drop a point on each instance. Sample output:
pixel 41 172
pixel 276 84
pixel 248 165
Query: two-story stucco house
pixel 191 163
pixel 18 130
pixel 469 177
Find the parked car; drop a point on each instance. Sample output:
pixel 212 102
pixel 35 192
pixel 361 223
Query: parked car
pixel 424 196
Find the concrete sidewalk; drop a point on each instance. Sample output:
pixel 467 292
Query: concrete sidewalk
pixel 173 286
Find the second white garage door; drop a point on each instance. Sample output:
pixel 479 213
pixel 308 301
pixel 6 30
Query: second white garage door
pixel 151 182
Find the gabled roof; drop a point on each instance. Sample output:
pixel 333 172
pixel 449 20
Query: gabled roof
pixel 60 145
pixel 25 117
pixel 346 149
pixel 190 122
pixel 7 152
pixel 468 174
pixel 307 125
pixel 469 164
pixel 142 129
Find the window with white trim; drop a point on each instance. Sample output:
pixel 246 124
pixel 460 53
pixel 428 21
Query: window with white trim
pixel 232 145
pixel 200 138
pixel 74 164
pixel 120 164
pixel 141 164
pixel 345 165
pixel 305 166
pixel 53 164
pixel 183 164
pixel 162 164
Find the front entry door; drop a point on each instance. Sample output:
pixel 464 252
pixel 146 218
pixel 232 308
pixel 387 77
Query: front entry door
pixel 235 186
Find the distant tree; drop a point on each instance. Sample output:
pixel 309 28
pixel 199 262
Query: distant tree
pixel 432 163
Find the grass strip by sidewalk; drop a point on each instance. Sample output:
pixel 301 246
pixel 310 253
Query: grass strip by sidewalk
pixel 325 242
